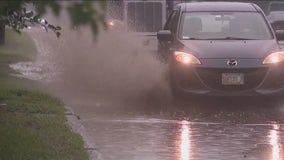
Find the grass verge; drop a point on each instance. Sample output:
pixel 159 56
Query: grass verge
pixel 32 124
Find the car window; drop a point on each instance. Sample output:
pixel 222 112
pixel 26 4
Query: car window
pixel 169 23
pixel 175 22
pixel 219 25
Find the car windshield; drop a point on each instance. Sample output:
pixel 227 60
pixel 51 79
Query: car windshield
pixel 224 25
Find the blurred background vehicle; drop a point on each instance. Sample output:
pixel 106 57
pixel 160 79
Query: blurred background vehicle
pixel 275 6
pixel 276 19
pixel 140 16
pixel 275 15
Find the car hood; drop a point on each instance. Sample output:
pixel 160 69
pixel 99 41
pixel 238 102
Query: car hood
pixel 230 48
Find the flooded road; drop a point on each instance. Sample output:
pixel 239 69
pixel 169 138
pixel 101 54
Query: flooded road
pixel 185 132
pixel 120 92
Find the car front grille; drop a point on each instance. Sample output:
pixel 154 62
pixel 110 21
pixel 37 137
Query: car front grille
pixel 213 78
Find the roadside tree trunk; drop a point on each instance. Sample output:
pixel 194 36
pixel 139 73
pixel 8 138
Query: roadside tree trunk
pixel 2 33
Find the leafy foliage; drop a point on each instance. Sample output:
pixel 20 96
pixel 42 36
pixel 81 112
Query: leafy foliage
pixel 20 19
pixel 85 9
pixel 15 15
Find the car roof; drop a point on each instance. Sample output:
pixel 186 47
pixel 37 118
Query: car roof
pixel 219 6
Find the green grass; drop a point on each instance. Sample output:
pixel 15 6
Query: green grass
pixel 18 47
pixel 32 124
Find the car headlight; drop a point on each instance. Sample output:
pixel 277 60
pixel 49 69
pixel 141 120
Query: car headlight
pixel 186 58
pixel 274 58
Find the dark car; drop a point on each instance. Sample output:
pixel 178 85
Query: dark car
pixel 275 6
pixel 222 48
pixel 276 19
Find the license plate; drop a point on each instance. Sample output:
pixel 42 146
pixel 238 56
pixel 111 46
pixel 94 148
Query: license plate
pixel 232 79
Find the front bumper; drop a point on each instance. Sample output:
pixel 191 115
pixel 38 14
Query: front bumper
pixel 206 79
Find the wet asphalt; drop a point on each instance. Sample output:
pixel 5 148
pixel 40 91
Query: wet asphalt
pixel 185 130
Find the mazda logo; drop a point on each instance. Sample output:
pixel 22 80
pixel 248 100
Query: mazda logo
pixel 232 62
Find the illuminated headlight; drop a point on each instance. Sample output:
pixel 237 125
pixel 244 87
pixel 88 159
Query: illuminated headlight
pixel 274 58
pixel 111 23
pixel 186 58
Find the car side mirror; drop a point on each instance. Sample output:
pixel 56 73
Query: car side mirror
pixel 164 35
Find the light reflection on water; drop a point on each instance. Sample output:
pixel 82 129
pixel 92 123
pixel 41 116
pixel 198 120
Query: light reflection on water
pixel 275 143
pixel 183 145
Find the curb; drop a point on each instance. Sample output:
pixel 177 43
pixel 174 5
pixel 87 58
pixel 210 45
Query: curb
pixel 73 121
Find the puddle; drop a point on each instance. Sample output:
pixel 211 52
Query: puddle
pixel 33 71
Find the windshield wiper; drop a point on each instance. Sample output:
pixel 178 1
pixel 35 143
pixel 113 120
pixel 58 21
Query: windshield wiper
pixel 192 38
pixel 230 38
pixel 222 38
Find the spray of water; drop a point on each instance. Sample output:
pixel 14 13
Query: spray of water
pixel 116 66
